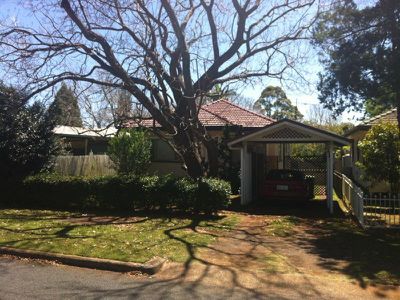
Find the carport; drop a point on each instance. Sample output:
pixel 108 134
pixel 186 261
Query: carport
pixel 284 132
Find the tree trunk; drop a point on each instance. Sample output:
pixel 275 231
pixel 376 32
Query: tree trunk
pixel 188 149
pixel 212 153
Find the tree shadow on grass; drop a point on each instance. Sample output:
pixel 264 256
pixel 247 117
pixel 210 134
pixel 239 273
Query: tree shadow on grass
pixel 371 256
pixel 322 237
pixel 197 271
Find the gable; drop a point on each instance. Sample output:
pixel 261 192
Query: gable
pixel 286 133
pixel 289 131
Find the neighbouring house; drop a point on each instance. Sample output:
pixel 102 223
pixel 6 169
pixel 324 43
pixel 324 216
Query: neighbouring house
pixel 357 133
pixel 83 141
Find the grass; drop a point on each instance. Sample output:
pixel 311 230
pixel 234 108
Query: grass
pixel 277 264
pixel 372 255
pixel 283 227
pixel 128 239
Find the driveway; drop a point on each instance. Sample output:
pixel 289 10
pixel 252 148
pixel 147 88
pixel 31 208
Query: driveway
pixel 292 252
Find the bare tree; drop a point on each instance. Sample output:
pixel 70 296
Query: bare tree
pixel 319 115
pixel 167 54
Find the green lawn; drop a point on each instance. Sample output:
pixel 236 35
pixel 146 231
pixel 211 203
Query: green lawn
pixel 283 226
pixel 136 239
pixel 373 255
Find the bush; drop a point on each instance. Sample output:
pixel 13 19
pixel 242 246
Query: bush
pixel 381 155
pixel 123 193
pixel 27 142
pixel 130 151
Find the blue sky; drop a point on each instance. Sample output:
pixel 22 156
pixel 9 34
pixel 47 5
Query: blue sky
pixel 303 96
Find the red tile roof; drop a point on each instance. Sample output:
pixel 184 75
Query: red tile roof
pixel 223 112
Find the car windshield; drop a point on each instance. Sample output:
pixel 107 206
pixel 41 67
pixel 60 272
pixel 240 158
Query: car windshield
pixel 285 175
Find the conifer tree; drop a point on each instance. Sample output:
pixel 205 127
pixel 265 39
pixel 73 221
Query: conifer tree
pixel 65 108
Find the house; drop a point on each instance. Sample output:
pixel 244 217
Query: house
pixel 357 133
pixel 262 145
pixel 83 141
pixel 215 116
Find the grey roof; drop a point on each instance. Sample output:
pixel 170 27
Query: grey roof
pixel 84 132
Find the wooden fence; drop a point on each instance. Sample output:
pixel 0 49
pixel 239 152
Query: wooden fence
pixel 84 165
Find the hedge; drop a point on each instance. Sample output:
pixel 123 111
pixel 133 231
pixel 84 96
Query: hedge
pixel 122 193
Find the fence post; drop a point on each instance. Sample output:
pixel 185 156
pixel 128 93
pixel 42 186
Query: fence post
pixel 360 200
pixel 362 211
pixel 343 190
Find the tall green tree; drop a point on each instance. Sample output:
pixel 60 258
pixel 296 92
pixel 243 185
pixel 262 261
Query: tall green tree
pixel 274 103
pixel 27 142
pixel 360 51
pixel 65 108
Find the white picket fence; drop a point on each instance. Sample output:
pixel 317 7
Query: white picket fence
pixel 370 212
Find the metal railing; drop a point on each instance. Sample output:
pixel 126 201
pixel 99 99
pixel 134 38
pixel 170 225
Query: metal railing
pixel 352 196
pixel 381 212
pixel 370 212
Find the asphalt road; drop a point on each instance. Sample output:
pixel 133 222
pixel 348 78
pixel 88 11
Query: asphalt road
pixel 24 279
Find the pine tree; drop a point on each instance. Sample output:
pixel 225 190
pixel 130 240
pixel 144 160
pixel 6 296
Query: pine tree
pixel 65 108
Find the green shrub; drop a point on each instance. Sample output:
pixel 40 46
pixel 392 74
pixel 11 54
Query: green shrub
pixel 381 155
pixel 123 193
pixel 130 151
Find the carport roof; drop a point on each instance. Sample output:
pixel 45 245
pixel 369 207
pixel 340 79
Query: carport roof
pixel 290 131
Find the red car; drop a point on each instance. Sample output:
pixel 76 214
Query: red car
pixel 287 184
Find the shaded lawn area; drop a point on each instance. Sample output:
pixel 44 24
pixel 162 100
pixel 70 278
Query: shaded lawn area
pixel 369 255
pixel 135 239
pixel 372 255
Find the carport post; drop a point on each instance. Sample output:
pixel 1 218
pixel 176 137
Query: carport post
pixel 329 177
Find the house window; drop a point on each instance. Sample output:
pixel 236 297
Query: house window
pixel 162 152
